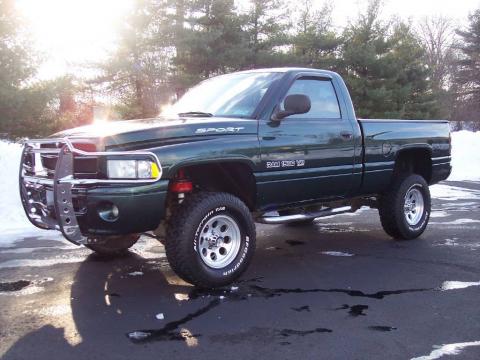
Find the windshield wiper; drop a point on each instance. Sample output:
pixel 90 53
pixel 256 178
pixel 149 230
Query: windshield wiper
pixel 195 113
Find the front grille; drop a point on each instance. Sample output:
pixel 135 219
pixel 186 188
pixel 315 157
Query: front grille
pixel 53 198
pixel 84 167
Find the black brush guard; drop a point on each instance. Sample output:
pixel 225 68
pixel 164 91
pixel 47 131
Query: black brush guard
pixel 47 195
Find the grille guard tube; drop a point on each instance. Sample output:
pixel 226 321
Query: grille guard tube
pixel 62 195
pixel 59 214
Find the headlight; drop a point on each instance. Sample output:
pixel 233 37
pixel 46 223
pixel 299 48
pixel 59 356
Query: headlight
pixel 144 169
pixel 132 169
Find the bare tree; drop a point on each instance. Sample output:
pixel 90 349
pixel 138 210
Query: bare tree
pixel 438 37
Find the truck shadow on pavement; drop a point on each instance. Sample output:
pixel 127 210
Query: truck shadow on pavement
pixel 106 294
pixel 116 304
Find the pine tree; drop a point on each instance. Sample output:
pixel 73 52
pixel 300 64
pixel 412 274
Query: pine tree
pixel 383 67
pixel 315 43
pixel 468 73
pixel 136 74
pixel 265 24
pixel 212 41
pixel 16 66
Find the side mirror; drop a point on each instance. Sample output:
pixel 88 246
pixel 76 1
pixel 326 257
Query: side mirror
pixel 294 104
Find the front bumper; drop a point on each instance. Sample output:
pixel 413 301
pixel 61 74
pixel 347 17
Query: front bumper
pixel 140 208
pixel 57 200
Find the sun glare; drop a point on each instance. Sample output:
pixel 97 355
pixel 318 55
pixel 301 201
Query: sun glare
pixel 72 32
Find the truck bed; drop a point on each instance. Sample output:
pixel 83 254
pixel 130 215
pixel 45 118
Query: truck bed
pixel 384 140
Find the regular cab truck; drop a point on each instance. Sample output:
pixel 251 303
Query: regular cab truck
pixel 274 146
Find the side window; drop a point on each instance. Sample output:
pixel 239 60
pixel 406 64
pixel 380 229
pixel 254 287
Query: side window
pixel 322 96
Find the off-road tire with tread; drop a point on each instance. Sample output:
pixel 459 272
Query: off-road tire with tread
pixel 183 233
pixel 391 208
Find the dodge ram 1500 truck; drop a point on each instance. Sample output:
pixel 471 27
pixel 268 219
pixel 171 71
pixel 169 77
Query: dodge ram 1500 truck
pixel 274 146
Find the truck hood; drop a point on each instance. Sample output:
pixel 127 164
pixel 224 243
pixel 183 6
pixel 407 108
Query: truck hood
pixel 119 133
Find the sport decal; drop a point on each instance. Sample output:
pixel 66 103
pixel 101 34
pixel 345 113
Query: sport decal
pixel 218 130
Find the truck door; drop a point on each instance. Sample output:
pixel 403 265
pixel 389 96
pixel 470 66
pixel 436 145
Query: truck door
pixel 307 156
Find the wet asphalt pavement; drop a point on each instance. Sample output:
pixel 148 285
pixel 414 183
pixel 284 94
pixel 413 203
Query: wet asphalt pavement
pixel 341 289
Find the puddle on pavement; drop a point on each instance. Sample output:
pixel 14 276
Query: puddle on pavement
pixel 257 279
pixel 358 310
pixel 259 291
pixel 382 328
pixel 23 287
pixel 173 331
pixel 354 310
pixel 348 229
pixel 295 242
pixel 273 248
pixel 250 289
pixel 14 285
pixel 301 308
pixel 291 332
pixel 231 293
pixel 154 335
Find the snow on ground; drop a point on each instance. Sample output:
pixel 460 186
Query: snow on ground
pixel 12 215
pixel 465 156
pixel 447 349
pixel 136 273
pixel 335 253
pixel 466 166
pixel 454 285
pixel 453 193
pixel 457 222
pixel 60 259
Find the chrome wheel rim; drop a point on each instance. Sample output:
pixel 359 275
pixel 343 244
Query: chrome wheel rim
pixel 413 206
pixel 219 241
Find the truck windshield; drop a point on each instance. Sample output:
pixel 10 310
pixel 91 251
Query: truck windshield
pixel 232 95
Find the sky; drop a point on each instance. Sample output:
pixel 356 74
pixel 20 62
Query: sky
pixel 68 33
pixel 413 9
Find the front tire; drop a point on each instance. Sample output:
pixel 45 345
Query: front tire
pixel 405 209
pixel 210 239
pixel 112 246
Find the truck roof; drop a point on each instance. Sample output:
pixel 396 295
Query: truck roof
pixel 287 69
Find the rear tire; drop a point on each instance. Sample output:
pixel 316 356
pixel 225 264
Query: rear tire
pixel 112 246
pixel 405 208
pixel 210 239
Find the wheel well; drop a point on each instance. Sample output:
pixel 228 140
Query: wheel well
pixel 416 161
pixel 234 178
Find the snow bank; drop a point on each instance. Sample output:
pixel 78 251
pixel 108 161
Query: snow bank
pixel 465 156
pixel 12 216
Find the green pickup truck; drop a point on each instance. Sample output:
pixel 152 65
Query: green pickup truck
pixel 273 146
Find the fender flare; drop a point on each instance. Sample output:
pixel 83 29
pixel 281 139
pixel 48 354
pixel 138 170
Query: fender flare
pixel 198 161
